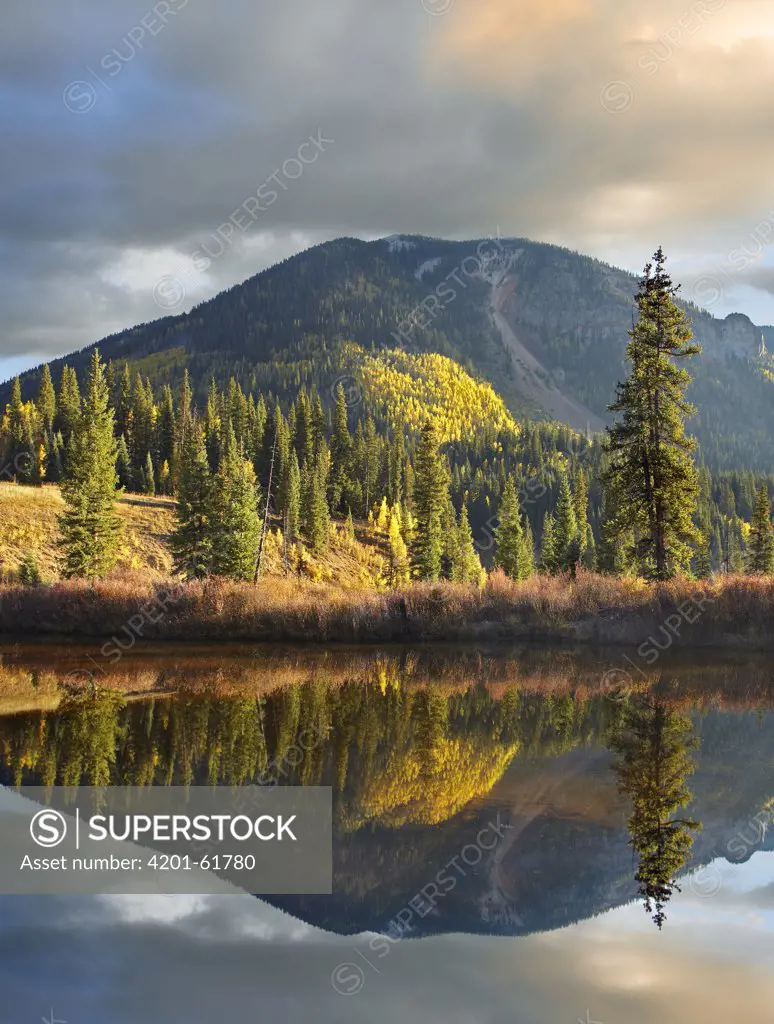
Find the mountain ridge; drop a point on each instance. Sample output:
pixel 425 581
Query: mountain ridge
pixel 544 325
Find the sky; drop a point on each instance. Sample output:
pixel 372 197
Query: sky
pixel 193 960
pixel 133 133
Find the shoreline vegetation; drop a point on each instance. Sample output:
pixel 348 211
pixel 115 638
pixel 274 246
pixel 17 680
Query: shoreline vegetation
pixel 731 611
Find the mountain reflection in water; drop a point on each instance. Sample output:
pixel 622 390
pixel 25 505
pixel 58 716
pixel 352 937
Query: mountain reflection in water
pixel 602 797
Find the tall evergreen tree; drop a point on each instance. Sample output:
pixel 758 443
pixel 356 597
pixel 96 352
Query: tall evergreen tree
pixel 509 534
pixel 567 546
pixel 69 404
pixel 315 516
pixel 527 553
pixel 46 401
pixel 19 452
pixel 760 548
pixel 236 528
pixel 192 537
pixel 149 476
pixel 548 561
pixel 341 451
pixel 430 494
pixel 123 464
pixel 467 565
pixel 89 527
pixel 651 472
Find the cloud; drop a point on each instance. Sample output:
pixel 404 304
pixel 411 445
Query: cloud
pixel 130 138
pixel 236 958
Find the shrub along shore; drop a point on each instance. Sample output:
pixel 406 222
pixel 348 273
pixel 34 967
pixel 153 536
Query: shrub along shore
pixel 727 611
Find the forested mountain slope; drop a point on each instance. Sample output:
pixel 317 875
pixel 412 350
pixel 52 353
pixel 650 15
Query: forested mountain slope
pixel 546 327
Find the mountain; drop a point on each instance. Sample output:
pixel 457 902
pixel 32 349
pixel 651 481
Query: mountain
pixel 546 327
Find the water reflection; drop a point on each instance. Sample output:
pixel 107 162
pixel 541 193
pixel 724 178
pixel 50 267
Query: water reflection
pixel 422 752
pixel 654 746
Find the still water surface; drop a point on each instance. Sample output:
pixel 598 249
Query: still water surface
pixel 518 836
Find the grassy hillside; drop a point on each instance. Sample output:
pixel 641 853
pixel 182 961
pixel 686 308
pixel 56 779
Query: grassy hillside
pixel 29 524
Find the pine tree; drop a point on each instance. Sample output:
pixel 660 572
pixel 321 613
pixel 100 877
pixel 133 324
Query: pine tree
pixel 341 451
pixel 430 494
pixel 702 562
pixel 587 547
pixel 509 535
pixel 566 540
pixel 192 537
pixel 123 464
pixel 19 448
pixel 149 476
pixel 349 526
pixel 236 528
pixel 651 472
pixel 46 402
pixel 548 561
pixel 315 516
pixel 760 548
pixel 29 571
pixel 124 403
pixel 527 552
pixel 89 526
pixel 69 405
pixel 467 565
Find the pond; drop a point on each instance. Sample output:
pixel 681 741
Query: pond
pixel 518 835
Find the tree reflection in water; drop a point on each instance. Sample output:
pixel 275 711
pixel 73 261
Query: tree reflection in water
pixel 654 745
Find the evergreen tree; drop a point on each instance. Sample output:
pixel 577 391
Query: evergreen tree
pixel 430 495
pixel 123 464
pixel 192 537
pixel 89 526
pixel 315 516
pixel 29 571
pixel 509 535
pixel 548 561
pixel 341 451
pixel 760 548
pixel 566 540
pixel 69 404
pixel 651 472
pixel 467 565
pixel 527 552
pixel 19 447
pixel 236 529
pixel 702 562
pixel 46 402
pixel 586 544
pixel 149 476
pixel 349 526
pixel 124 403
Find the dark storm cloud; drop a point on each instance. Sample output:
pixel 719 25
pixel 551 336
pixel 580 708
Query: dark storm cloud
pixel 132 131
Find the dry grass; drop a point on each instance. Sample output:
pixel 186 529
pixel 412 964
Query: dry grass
pixel 29 523
pixel 730 611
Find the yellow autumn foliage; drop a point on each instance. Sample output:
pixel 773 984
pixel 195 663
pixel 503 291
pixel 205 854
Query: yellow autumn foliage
pixel 406 793
pixel 415 388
